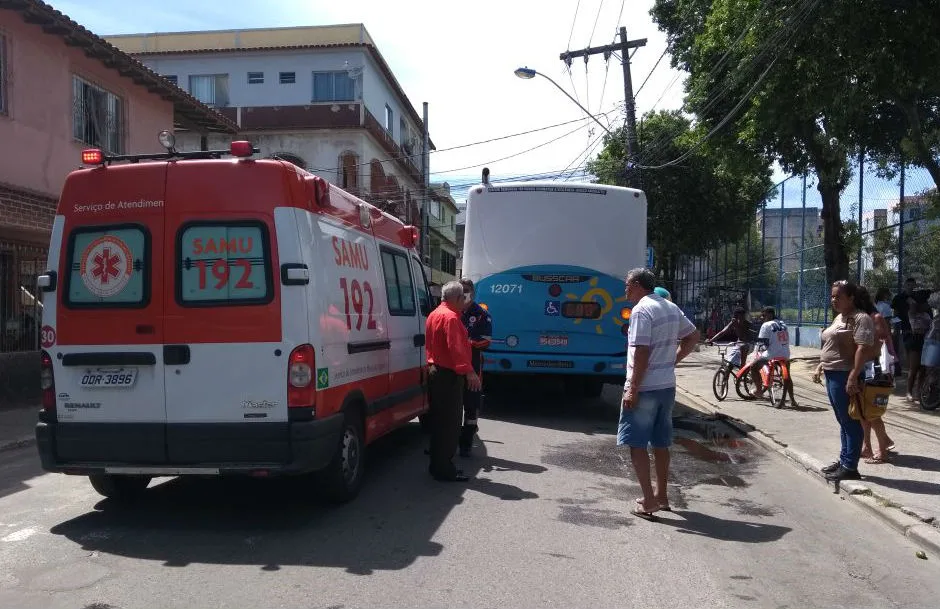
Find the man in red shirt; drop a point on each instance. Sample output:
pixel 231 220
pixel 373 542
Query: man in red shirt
pixel 448 350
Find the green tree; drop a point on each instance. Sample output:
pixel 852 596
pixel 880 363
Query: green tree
pixel 707 200
pixel 769 75
pixel 892 49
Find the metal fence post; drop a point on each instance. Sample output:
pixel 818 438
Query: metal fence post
pixel 861 207
pixel 799 279
pixel 901 230
pixel 783 192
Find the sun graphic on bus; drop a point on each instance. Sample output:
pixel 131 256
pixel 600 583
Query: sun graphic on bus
pixel 603 298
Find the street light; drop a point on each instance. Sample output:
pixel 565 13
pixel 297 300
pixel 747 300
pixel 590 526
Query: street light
pixel 528 73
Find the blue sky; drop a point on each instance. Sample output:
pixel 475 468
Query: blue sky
pixel 459 57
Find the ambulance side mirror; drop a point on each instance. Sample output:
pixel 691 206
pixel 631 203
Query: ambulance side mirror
pixel 48 281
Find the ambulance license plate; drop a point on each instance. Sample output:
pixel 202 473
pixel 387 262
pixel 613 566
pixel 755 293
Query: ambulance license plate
pixel 123 377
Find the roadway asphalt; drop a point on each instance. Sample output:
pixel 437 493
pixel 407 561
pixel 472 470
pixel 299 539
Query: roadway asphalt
pixel 544 522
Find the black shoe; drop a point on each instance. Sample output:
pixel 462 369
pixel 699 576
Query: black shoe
pixel 457 476
pixel 843 473
pixel 830 468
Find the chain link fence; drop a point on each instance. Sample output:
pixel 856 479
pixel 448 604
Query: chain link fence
pixel 892 232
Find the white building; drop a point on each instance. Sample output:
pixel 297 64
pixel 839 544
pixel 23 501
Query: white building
pixel 322 97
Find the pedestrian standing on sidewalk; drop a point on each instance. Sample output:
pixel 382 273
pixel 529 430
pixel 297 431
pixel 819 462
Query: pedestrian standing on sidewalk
pixel 885 349
pixel 656 325
pixel 479 327
pixel 846 346
pixel 448 356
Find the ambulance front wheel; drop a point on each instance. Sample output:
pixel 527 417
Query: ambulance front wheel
pixel 121 488
pixel 342 478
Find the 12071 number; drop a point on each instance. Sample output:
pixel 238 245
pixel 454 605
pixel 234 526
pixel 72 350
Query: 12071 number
pixel 506 288
pixel 354 293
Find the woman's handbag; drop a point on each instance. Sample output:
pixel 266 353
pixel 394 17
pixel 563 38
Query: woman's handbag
pixel 872 402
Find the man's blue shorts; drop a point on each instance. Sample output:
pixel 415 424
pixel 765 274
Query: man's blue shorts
pixel 649 423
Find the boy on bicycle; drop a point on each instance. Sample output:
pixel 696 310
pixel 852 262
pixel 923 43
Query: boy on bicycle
pixel 773 342
pixel 738 329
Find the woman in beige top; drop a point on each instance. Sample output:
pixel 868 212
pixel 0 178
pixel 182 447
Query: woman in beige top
pixel 846 346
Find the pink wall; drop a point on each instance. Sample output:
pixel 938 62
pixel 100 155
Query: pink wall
pixel 37 150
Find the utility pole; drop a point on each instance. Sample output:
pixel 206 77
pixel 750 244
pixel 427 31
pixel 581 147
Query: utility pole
pixel 426 191
pixel 624 47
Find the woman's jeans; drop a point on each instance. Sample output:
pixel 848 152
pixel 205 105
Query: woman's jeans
pixel 851 429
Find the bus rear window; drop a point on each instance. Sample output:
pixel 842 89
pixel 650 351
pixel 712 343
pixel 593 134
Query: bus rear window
pixel 581 310
pixel 223 263
pixel 108 267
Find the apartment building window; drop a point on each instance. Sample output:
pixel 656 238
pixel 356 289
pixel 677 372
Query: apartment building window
pixel 3 74
pixel 287 78
pixel 402 131
pixel 172 78
pixel 210 89
pixel 256 78
pixel 448 263
pixel 333 86
pixel 435 209
pixel 389 120
pixel 97 116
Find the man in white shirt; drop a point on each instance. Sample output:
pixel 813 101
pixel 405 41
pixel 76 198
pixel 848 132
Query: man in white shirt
pixel 656 327
pixel 773 342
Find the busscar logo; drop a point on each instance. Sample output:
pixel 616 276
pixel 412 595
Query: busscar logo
pixel 258 405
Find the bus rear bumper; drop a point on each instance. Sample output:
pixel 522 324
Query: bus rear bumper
pixel 601 368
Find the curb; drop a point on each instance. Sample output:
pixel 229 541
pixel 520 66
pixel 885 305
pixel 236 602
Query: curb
pixel 7 445
pixel 911 523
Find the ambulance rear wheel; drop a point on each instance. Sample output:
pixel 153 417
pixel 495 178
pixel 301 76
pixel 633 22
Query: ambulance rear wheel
pixel 121 488
pixel 342 478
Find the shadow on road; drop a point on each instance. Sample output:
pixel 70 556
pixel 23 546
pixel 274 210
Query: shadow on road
pixel 548 407
pixel 17 466
pixel 280 522
pixel 696 523
pixel 917 487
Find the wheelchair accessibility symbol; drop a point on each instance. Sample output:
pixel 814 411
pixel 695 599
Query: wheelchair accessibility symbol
pixel 553 308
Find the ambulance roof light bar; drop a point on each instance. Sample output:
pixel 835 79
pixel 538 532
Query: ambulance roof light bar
pixel 239 149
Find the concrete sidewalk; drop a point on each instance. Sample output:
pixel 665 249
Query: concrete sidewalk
pixel 905 491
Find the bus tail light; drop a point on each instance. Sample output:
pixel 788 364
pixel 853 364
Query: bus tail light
pixel 625 313
pixel 301 384
pixel 554 290
pixel 484 306
pixel 47 384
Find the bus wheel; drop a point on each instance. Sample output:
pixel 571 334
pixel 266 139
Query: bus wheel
pixel 119 488
pixel 593 389
pixel 342 478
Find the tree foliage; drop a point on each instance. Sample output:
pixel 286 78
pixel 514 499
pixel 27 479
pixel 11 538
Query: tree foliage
pixel 707 200
pixel 797 80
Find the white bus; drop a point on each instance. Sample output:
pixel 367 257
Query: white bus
pixel 548 261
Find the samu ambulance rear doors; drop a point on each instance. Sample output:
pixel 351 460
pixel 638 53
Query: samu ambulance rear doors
pixel 104 330
pixel 227 344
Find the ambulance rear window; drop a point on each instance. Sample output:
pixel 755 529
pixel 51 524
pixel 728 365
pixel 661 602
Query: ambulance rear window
pixel 108 267
pixel 223 263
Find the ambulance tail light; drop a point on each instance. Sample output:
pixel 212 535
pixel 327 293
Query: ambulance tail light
pixel 241 149
pixel 47 384
pixel 92 156
pixel 301 384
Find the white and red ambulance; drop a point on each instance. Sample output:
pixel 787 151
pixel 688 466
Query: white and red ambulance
pixel 211 313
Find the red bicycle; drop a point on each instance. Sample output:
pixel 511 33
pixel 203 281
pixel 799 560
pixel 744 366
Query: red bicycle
pixel 775 374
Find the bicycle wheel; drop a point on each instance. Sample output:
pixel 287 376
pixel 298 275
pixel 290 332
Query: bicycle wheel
pixel 778 395
pixel 720 383
pixel 744 386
